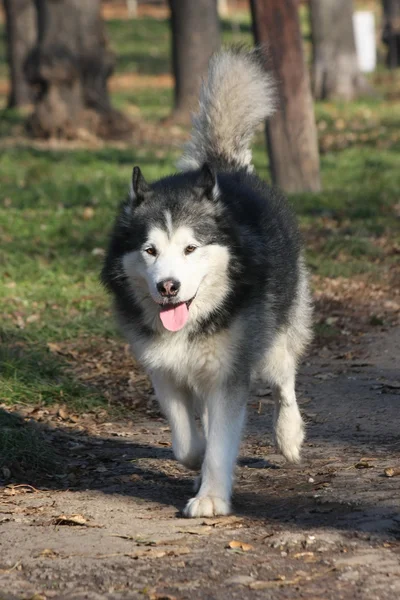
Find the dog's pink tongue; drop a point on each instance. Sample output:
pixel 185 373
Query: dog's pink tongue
pixel 175 317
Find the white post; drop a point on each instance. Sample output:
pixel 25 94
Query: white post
pixel 364 33
pixel 132 6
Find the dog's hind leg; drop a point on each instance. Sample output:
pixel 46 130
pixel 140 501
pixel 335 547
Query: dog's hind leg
pixel 188 443
pixel 280 370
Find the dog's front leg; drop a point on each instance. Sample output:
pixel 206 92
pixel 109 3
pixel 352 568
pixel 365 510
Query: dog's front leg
pixel 226 412
pixel 188 443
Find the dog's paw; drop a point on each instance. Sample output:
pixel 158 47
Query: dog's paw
pixel 206 506
pixel 289 434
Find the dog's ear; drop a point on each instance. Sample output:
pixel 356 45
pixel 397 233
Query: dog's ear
pixel 206 183
pixel 139 189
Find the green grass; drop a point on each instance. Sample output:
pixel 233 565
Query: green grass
pixel 49 263
pixel 24 450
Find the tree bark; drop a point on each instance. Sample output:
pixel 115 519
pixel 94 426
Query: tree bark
pixel 69 69
pixel 391 32
pixel 335 71
pixel 291 133
pixel 21 33
pixel 195 36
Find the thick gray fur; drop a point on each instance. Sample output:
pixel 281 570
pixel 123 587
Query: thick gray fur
pixel 237 95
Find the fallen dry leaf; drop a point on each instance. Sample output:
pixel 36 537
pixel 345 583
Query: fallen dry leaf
pixel 47 553
pixel 205 530
pixel 223 521
pixel 33 318
pixel 281 581
pixel 391 472
pixel 72 520
pixel 17 566
pixel 178 551
pixel 21 488
pixel 261 585
pixel 54 348
pixel 88 213
pixel 236 545
pixel 62 413
pixel 303 554
pixel 363 465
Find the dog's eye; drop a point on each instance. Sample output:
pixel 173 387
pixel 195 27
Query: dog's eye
pixel 151 250
pixel 190 249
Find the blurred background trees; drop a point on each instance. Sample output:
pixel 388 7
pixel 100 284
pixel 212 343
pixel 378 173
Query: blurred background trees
pixel 391 32
pixel 21 32
pixel 335 69
pixel 195 36
pixel 291 133
pixel 60 61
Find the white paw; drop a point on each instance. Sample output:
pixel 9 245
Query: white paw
pixel 289 433
pixel 206 506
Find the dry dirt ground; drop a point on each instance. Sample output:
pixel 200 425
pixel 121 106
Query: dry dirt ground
pixel 328 529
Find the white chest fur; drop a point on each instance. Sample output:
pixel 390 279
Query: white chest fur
pixel 201 364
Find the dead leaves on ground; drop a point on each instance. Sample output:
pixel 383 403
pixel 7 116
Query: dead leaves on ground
pixel 239 546
pixel 21 488
pixel 392 472
pixel 282 580
pixel 73 520
pixel 110 367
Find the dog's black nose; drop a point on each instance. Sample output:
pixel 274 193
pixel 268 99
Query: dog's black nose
pixel 168 287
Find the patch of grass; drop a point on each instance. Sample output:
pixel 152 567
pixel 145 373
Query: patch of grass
pixel 24 450
pixel 141 45
pixel 31 374
pixel 150 104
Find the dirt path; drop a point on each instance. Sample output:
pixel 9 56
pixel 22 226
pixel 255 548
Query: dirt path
pixel 328 529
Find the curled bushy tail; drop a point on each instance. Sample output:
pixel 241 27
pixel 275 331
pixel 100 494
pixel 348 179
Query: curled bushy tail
pixel 237 95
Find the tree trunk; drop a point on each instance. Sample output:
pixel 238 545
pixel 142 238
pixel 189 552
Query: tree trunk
pixel 391 32
pixel 69 68
pixel 291 133
pixel 21 32
pixel 336 74
pixel 195 36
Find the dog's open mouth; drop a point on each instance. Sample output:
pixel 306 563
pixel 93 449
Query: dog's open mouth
pixel 175 316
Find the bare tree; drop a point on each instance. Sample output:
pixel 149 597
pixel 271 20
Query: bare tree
pixel 391 32
pixel 335 69
pixel 21 33
pixel 69 68
pixel 291 133
pixel 195 36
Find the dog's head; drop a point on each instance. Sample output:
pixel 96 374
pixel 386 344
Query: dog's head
pixel 176 256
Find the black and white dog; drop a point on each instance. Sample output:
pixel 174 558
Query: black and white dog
pixel 210 289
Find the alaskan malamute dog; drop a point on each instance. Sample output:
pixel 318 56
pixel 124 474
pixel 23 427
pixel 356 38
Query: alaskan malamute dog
pixel 209 285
